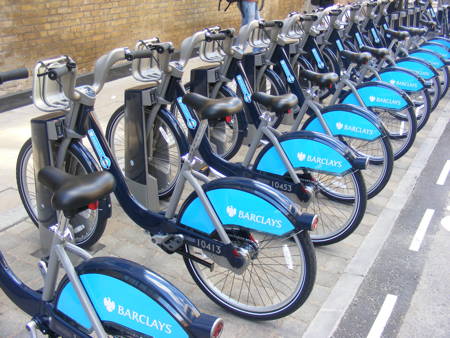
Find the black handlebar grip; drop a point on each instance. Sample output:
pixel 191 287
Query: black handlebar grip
pixel 309 17
pixel 56 73
pixel 138 54
pixel 273 23
pixel 227 32
pixel 215 37
pixel 15 74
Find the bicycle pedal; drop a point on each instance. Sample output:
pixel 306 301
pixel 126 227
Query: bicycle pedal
pixel 169 242
pixel 32 329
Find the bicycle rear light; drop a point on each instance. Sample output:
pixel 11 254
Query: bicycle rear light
pixel 217 328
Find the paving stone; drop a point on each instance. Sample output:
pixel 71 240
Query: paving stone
pixel 124 239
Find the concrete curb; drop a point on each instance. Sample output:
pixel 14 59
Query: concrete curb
pixel 332 311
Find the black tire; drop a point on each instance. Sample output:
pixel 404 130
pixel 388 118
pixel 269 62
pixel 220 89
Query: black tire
pixel 401 127
pixel 422 102
pixel 381 162
pixel 85 236
pixel 165 163
pixel 340 212
pixel 282 279
pixel 444 77
pixel 435 92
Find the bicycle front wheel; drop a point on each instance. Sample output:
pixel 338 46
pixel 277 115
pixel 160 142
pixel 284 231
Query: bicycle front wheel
pixel 88 225
pixel 277 281
pixel 163 151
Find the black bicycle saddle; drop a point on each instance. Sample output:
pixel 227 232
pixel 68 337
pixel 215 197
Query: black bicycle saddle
pixel 320 79
pixel 379 53
pixel 276 103
pixel 399 35
pixel 358 58
pixel 211 109
pixel 72 193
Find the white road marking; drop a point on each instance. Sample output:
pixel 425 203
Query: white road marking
pixel 383 316
pixel 421 230
pixel 402 127
pixel 444 173
pixel 445 222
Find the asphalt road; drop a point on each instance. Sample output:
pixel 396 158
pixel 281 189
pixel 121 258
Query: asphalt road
pixel 414 284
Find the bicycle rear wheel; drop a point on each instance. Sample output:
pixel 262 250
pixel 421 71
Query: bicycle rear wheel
pixel 277 281
pixel 381 161
pixel 339 202
pixel 401 127
pixel 88 225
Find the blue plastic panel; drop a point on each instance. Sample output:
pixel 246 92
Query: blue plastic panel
pixel 304 153
pixel 344 123
pixel 118 302
pixel 237 207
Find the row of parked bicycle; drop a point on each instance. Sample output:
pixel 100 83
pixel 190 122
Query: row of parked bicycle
pixel 325 103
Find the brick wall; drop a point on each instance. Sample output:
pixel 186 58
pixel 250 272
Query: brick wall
pixel 85 29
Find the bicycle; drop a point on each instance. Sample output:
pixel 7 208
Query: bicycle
pixel 390 104
pixel 88 225
pixel 276 75
pixel 291 163
pixel 103 295
pixel 216 234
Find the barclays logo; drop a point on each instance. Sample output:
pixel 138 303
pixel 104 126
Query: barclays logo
pixel 385 100
pixel 318 160
pixel 231 211
pixel 139 318
pixel 109 304
pixel 354 129
pixel 252 217
pixel 403 83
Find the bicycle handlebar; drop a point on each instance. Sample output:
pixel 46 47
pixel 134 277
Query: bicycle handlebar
pixel 15 74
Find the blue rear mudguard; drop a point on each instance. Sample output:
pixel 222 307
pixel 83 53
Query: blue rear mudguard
pixel 244 203
pixel 441 40
pixel 131 299
pixel 311 151
pixel 401 78
pixel 379 94
pixel 429 56
pixel 422 68
pixel 348 120
pixel 438 48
